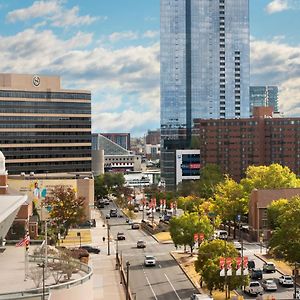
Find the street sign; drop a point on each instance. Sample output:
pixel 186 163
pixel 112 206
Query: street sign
pixel 211 214
pixel 238 218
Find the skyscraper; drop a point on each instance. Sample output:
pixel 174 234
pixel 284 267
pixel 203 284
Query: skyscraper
pixel 264 96
pixel 204 65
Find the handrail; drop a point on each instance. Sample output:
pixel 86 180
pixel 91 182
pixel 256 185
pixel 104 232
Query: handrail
pixel 38 291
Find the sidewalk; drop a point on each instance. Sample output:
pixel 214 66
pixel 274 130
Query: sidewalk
pixel 106 280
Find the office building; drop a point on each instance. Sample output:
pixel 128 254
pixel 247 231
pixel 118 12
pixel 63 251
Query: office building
pixel 44 128
pixel 264 96
pixel 122 139
pixel 204 69
pixel 235 144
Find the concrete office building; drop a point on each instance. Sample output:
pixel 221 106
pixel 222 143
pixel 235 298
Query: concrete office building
pixel 204 69
pixel 44 128
pixel 264 96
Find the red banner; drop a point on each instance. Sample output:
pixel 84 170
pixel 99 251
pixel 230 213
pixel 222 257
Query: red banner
pixel 228 263
pixel 161 201
pixel 245 262
pixel 195 237
pixel 222 263
pixel 171 205
pixel 238 262
pixel 201 236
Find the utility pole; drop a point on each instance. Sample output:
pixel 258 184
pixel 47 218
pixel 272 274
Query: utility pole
pixel 295 280
pixel 127 280
pixel 43 266
pixel 108 238
pixel 225 279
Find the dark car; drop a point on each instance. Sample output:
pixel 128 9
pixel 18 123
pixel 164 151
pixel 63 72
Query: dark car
pixel 90 249
pixel 256 274
pixel 120 236
pixel 251 264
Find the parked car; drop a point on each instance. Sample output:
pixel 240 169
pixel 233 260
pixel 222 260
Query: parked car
pixel 269 267
pixel 251 264
pixel 113 212
pixel 286 280
pixel 237 245
pixel 136 209
pixel 297 294
pixel 269 285
pixel 256 274
pixel 221 234
pixel 107 216
pixel 135 226
pixel 120 236
pixel 90 249
pixel 141 244
pixel 254 288
pixel 149 260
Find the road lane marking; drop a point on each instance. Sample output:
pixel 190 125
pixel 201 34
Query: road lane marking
pixel 150 285
pixel 172 287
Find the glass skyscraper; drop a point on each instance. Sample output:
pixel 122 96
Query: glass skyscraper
pixel 204 66
pixel 264 96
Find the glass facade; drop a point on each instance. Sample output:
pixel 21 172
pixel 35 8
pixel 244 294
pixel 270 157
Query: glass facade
pixel 205 65
pixel 45 132
pixel 264 96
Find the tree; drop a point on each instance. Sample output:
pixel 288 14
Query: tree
pixel 183 228
pixel 285 239
pixel 274 211
pixel 65 208
pixel 208 261
pixel 269 177
pixel 230 201
pixel 108 183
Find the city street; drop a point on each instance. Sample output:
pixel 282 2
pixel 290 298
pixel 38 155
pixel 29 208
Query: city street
pixel 163 281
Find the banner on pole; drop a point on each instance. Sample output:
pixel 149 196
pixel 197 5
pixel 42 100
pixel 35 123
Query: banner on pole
pixel 228 266
pixel 222 266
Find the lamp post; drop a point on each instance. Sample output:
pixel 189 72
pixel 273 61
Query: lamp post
pixel 261 239
pixel 43 266
pixel 127 280
pixel 295 280
pixel 108 238
pixel 79 235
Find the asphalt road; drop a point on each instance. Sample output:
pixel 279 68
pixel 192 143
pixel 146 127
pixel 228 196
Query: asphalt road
pixel 165 281
pixel 282 292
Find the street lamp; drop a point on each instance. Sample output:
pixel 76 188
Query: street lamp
pixel 43 278
pixel 108 238
pixel 127 280
pixel 79 235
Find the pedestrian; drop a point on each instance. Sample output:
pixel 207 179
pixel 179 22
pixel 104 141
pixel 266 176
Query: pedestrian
pixel 103 239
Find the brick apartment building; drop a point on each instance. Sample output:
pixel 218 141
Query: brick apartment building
pixel 234 144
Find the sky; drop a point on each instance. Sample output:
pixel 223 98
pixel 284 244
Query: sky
pixel 111 47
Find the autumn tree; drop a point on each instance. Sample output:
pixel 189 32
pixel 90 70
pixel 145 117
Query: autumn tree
pixel 208 265
pixel 285 239
pixel 183 228
pixel 230 201
pixel 274 211
pixel 269 177
pixel 65 208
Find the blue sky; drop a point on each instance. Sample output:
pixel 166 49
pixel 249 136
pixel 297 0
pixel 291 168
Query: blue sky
pixel 112 48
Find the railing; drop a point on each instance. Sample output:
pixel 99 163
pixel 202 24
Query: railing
pixel 37 293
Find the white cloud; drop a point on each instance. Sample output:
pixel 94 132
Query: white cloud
pixel 125 35
pixel 280 5
pixel 277 63
pixel 151 34
pixel 52 11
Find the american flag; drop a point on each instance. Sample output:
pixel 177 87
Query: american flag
pixel 24 242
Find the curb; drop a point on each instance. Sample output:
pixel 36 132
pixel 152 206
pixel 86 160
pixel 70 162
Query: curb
pixel 262 259
pixel 185 273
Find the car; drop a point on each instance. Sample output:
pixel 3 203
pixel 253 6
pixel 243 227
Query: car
pixel 269 285
pixel 120 236
pixel 135 226
pixel 237 245
pixel 90 249
pixel 254 288
pixel 86 224
pixel 221 234
pixel 251 264
pixel 286 280
pixel 113 213
pixel 141 244
pixel 127 220
pixel 106 201
pixel 297 294
pixel 269 267
pixel 136 209
pixel 256 273
pixel 107 216
pixel 141 208
pixel 200 297
pixel 149 261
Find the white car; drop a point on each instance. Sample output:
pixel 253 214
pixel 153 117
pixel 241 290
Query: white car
pixel 149 260
pixel 298 294
pixel 269 285
pixel 286 280
pixel 237 245
pixel 254 288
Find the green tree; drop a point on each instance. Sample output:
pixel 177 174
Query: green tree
pixel 269 177
pixel 183 228
pixel 230 201
pixel 285 239
pixel 274 211
pixel 108 183
pixel 65 208
pixel 210 176
pixel 208 265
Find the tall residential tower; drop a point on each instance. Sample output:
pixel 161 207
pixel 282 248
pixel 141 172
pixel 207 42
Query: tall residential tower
pixel 204 66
